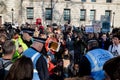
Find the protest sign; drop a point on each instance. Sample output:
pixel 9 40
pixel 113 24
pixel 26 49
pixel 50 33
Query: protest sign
pixel 89 28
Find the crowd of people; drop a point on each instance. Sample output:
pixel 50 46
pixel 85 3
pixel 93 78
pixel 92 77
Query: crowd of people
pixel 58 52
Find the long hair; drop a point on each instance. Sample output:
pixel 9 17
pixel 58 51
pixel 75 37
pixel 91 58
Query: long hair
pixel 22 69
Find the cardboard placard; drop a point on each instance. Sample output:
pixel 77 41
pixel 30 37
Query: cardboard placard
pixel 55 46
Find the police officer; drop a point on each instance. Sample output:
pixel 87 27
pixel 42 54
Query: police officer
pixel 27 36
pixel 92 62
pixel 39 62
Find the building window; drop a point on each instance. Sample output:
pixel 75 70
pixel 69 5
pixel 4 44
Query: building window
pixel 30 13
pixel 48 14
pixel 66 14
pixel 83 0
pixel 108 13
pixel 93 0
pixel 92 14
pixel 82 14
pixel 108 1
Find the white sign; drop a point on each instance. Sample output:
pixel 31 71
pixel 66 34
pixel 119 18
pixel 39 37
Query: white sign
pixel 97 26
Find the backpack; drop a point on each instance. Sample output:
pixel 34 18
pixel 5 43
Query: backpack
pixel 3 65
pixel 115 53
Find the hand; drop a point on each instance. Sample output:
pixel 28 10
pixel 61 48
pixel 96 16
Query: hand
pixel 20 49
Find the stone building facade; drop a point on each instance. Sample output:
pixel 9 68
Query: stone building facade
pixel 79 12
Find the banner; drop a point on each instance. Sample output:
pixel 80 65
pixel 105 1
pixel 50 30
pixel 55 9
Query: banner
pixel 105 23
pixel 105 18
pixel 89 28
pixel 105 27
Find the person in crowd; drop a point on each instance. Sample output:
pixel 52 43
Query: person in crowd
pixel 110 37
pixel 43 35
pixel 3 31
pixel 27 35
pixel 92 62
pixel 80 78
pixel 20 45
pixel 115 30
pixel 60 66
pixel 79 47
pixel 51 52
pixel 50 65
pixel 70 43
pixel 9 50
pixel 74 71
pixel 62 47
pixel 36 32
pixel 56 74
pixel 1 51
pixel 112 69
pixel 3 38
pixel 97 36
pixel 22 69
pixel 76 34
pixel 39 61
pixel 40 27
pixel 66 55
pixel 49 29
pixel 114 48
pixel 90 36
pixel 104 41
pixel 67 62
pixel 57 30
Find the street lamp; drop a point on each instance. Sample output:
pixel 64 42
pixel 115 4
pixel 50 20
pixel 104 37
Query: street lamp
pixel 12 16
pixel 113 20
